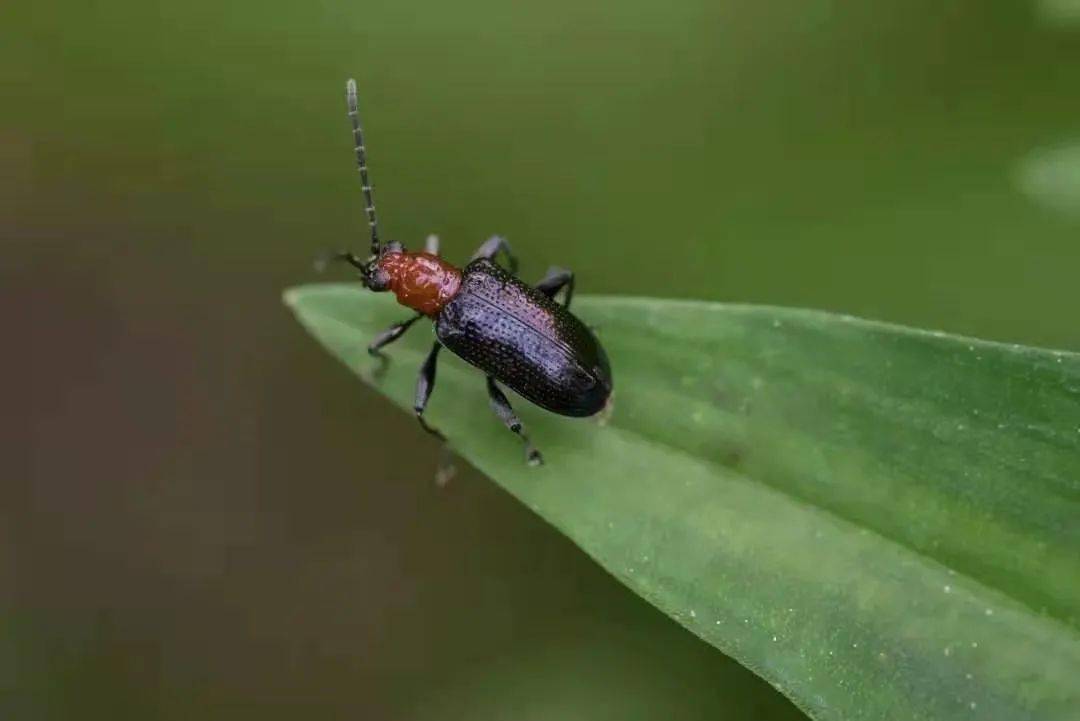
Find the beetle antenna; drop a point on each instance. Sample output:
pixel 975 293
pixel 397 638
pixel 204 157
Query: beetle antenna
pixel 361 163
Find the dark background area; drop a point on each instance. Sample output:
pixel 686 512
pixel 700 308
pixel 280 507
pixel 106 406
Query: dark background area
pixel 204 516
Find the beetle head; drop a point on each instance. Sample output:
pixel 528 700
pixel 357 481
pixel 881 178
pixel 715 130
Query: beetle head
pixel 373 275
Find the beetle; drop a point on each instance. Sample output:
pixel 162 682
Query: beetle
pixel 517 334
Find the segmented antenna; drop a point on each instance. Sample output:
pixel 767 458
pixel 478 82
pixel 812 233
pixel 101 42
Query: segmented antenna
pixel 361 163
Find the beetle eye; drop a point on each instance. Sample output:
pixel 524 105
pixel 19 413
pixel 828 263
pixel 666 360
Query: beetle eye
pixel 393 247
pixel 376 278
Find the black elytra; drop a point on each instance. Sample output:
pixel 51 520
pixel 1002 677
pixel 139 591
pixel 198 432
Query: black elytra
pixel 519 335
pixel 523 338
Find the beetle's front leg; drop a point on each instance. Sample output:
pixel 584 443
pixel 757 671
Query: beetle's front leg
pixel 506 414
pixel 554 280
pixel 385 338
pixel 491 248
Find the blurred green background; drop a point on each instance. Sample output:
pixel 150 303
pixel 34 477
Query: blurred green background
pixel 204 516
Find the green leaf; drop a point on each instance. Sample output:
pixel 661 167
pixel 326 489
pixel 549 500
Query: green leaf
pixel 1051 176
pixel 882 522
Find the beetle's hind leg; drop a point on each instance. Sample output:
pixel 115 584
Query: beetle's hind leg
pixel 491 248
pixel 555 280
pixel 506 414
pixel 385 338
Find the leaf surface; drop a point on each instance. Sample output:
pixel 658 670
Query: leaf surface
pixel 882 522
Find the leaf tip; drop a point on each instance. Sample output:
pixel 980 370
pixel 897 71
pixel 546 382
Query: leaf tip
pixel 291 297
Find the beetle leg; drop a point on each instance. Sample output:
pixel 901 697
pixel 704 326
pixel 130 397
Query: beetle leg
pixel 390 335
pixel 431 244
pixel 425 383
pixel 506 414
pixel 322 260
pixel 387 337
pixel 555 279
pixel 491 248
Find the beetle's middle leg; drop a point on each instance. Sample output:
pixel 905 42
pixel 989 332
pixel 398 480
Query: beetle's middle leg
pixel 491 248
pixel 506 414
pixel 425 383
pixel 556 279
